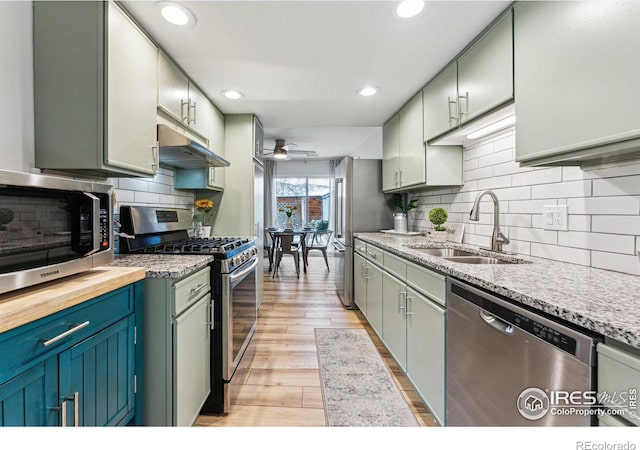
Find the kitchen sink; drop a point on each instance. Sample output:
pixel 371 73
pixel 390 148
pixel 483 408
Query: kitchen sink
pixel 478 260
pixel 445 252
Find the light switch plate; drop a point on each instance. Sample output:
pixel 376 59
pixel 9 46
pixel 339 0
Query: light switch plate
pixel 555 217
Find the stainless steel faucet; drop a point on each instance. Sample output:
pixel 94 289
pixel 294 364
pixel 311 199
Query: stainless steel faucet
pixel 497 238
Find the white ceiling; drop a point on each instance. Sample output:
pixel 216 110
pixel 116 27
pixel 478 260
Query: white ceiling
pixel 299 63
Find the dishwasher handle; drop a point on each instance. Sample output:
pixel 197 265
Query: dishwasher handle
pixel 498 324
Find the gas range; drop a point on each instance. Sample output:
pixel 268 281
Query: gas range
pixel 164 231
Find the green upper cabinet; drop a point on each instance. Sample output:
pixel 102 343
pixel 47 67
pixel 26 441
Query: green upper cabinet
pixel 577 68
pixel 182 101
pixel 95 82
pixel 409 164
pixel 485 72
pixel 477 82
pixel 440 103
pixel 390 154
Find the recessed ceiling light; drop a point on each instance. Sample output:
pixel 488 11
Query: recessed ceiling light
pixel 410 8
pixel 176 14
pixel 368 91
pixel 231 94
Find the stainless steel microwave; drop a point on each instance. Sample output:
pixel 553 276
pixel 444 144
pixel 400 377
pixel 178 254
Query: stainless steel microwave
pixel 52 227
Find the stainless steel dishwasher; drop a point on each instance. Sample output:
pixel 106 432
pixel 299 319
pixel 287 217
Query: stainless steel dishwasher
pixel 508 366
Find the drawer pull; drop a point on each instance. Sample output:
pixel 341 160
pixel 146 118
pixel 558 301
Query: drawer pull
pixel 195 290
pixel 65 334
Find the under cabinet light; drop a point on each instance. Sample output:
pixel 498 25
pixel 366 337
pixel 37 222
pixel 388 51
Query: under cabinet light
pixel 500 124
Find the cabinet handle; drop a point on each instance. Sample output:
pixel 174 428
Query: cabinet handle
pixel 211 314
pixel 452 118
pixel 182 105
pixel 154 153
pixel 197 289
pixel 466 103
pixel 402 294
pixel 373 255
pixel 65 334
pixel 76 409
pixel 401 180
pixel 195 111
pixel 409 301
pixel 395 177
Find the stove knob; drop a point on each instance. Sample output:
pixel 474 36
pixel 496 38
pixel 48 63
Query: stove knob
pixel 235 261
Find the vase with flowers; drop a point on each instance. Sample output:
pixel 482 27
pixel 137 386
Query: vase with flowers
pixel 288 210
pixel 202 217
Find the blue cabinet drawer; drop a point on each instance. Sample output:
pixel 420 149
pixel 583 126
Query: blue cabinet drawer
pixel 24 346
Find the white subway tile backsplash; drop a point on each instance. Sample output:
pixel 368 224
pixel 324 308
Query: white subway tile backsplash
pixel 534 235
pixel 124 196
pixel 528 206
pixel 476 174
pixel 616 224
pixel 559 190
pixel 616 261
pixel 604 205
pixel 494 182
pixel 565 254
pixel 504 141
pixel 496 158
pixel 617 186
pixel 146 197
pixel 159 188
pixel 553 175
pixel 597 241
pixel 134 184
pixel 579 223
pixel 479 151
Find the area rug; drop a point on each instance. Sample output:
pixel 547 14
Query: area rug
pixel 357 388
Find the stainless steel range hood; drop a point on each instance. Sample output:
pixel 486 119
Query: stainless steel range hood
pixel 178 150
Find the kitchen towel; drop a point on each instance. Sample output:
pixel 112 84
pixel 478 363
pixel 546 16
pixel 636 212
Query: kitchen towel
pixel 357 388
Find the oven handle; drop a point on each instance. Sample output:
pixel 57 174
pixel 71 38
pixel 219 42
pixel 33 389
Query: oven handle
pixel 237 276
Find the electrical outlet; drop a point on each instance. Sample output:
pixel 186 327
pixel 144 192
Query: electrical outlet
pixel 555 217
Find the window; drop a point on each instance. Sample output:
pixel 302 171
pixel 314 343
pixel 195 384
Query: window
pixel 310 196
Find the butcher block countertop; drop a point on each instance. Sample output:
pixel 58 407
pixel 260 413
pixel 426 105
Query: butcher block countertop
pixel 27 305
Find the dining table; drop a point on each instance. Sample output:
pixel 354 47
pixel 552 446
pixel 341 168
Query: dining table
pixel 301 232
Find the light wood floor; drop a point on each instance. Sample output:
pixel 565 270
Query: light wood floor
pixel 278 383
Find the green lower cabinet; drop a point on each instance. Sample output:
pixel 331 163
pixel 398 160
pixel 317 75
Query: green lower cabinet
pixel 374 297
pixel 426 350
pixel 394 334
pixel 359 283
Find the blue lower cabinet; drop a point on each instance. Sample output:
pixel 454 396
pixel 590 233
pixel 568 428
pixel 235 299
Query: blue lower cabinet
pixel 31 398
pixel 97 378
pixel 52 377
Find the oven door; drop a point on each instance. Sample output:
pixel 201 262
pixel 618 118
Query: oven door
pixel 239 314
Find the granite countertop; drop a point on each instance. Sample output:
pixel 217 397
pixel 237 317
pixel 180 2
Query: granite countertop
pixel 164 266
pixel 599 300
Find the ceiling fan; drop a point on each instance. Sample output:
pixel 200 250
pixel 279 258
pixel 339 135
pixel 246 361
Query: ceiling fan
pixel 282 151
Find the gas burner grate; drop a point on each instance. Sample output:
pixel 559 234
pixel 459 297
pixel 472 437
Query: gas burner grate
pixel 198 245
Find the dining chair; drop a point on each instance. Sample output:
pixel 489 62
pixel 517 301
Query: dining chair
pixel 268 245
pixel 285 246
pixel 319 241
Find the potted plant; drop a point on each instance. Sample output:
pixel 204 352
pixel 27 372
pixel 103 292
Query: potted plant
pixel 202 217
pixel 400 218
pixel 438 216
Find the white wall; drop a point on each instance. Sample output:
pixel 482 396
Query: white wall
pixel 603 207
pixel 16 87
